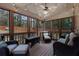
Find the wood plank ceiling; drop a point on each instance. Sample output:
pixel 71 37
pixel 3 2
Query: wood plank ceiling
pixel 55 10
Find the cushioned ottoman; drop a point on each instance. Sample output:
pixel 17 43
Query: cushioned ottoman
pixel 12 47
pixel 21 50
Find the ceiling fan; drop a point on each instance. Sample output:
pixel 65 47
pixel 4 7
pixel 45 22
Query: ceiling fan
pixel 48 8
pixel 45 8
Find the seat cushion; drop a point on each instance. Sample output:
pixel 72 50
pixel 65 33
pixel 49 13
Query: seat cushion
pixel 3 44
pixel 21 49
pixel 0 39
pixel 46 34
pixel 62 40
pixel 11 47
pixel 72 35
pixel 46 37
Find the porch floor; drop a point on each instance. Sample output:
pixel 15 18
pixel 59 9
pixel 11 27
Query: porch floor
pixel 42 49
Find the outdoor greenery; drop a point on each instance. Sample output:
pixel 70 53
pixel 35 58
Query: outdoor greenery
pixel 33 23
pixel 17 20
pixel 4 18
pixel 55 24
pixel 67 23
pixel 47 24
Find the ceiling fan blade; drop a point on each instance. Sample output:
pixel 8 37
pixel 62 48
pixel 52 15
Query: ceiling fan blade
pixel 42 6
pixel 54 7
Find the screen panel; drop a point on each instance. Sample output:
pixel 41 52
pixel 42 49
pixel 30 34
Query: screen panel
pixel 20 23
pixel 67 23
pixel 4 21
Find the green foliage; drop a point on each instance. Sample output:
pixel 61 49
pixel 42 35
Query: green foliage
pixel 55 24
pixel 4 18
pixel 48 24
pixel 17 20
pixel 67 23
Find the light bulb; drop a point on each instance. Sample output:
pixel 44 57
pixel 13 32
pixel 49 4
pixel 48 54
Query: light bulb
pixel 45 12
pixel 14 4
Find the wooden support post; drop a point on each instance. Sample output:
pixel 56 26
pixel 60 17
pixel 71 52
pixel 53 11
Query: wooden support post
pixel 73 18
pixel 11 25
pixel 37 26
pixel 60 27
pixel 28 26
pixel 73 23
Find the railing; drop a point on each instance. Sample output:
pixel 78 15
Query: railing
pixel 5 36
pixel 20 37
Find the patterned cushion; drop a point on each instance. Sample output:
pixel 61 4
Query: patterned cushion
pixel 47 37
pixel 3 44
pixel 46 34
pixel 11 47
pixel 62 40
pixel 21 49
